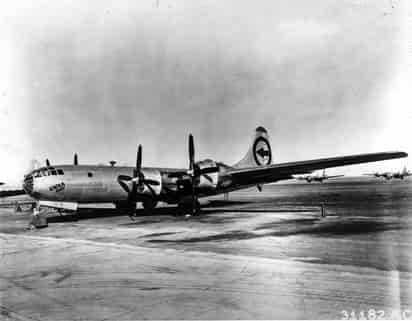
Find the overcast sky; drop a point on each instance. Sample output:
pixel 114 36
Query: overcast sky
pixel 325 77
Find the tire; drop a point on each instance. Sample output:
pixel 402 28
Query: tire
pixel 197 210
pixel 125 208
pixel 187 208
pixel 149 205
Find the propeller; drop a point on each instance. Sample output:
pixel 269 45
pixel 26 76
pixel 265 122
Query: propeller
pixel 195 172
pixel 75 160
pixel 138 181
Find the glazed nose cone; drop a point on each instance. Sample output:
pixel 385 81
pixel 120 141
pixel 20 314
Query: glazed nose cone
pixel 28 184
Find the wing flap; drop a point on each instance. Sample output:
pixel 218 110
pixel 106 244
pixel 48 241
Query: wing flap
pixel 273 173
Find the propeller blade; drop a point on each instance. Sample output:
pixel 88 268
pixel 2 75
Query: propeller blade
pixel 191 152
pixel 136 174
pixel 47 162
pixel 208 170
pixel 124 178
pixel 123 184
pixel 139 159
pixel 151 190
pixel 177 174
pixel 75 160
pixel 150 182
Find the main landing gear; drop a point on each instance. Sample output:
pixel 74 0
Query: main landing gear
pixel 189 208
pixel 149 205
pixel 130 208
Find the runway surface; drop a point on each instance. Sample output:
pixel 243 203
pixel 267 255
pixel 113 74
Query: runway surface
pixel 256 256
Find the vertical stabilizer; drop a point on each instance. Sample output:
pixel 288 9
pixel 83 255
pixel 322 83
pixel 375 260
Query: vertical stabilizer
pixel 260 151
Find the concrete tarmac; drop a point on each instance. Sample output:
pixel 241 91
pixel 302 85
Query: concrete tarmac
pixel 257 256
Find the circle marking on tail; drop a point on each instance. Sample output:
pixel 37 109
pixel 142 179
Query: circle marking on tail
pixel 262 151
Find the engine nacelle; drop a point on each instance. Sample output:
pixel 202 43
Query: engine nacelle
pixel 154 190
pixel 207 182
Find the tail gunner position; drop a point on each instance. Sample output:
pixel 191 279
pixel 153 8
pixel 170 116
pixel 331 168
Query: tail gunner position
pixel 66 186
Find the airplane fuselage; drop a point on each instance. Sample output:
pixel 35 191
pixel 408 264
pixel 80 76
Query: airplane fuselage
pixel 93 184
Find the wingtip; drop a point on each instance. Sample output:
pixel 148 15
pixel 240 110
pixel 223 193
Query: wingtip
pixel 401 154
pixel 397 154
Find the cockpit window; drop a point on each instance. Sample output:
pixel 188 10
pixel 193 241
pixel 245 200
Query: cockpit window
pixel 47 172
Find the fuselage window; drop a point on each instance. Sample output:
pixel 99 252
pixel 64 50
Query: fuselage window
pixel 60 172
pixel 90 174
pixel 53 172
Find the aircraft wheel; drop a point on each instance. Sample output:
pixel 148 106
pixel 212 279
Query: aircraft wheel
pixel 196 210
pixel 187 208
pixel 149 205
pixel 183 209
pixel 125 207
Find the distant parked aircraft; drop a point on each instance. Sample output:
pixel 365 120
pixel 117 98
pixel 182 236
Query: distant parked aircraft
pixel 389 175
pixel 316 178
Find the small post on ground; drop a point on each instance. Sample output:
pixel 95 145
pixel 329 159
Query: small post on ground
pixel 322 210
pixel 17 207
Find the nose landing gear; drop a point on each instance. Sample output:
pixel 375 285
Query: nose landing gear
pixel 37 220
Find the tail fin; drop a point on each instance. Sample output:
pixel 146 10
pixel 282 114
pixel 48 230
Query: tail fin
pixel 259 153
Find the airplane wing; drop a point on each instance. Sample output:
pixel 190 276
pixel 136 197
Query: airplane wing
pixel 277 172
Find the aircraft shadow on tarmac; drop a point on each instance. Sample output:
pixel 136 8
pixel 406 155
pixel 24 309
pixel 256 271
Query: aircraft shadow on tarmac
pixel 312 227
pixel 85 214
pixel 90 213
pixel 210 213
